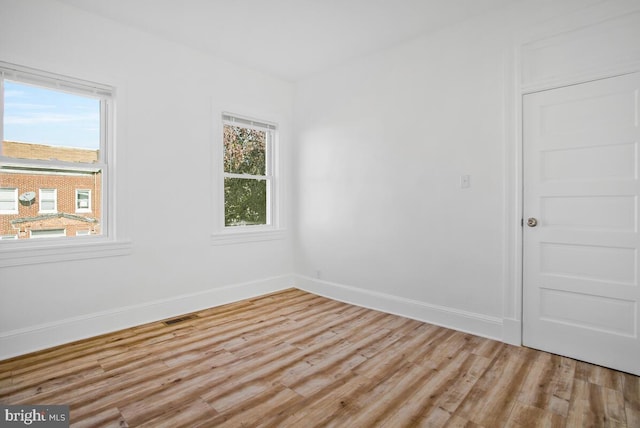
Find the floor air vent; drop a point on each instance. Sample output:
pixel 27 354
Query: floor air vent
pixel 177 320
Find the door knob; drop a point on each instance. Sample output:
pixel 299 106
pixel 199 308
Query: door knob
pixel 532 222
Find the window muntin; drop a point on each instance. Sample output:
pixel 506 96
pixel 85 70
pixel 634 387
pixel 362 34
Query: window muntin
pixel 54 139
pixel 248 177
pixel 8 200
pixel 48 201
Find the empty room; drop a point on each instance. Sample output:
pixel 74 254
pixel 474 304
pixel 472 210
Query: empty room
pixel 298 213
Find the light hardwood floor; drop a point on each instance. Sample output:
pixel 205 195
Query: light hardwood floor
pixel 294 359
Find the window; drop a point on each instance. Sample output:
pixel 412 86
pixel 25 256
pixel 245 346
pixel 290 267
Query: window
pixel 48 233
pixel 8 201
pixel 83 200
pixel 249 196
pixel 48 201
pixel 56 136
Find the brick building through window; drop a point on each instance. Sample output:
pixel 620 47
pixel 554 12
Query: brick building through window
pixel 36 203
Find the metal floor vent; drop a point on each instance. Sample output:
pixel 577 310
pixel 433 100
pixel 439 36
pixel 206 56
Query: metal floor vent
pixel 177 320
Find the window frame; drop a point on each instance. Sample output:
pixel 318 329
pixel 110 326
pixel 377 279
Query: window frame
pixel 107 244
pixel 224 234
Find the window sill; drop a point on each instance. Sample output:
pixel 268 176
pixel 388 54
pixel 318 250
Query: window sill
pixel 245 236
pixel 19 254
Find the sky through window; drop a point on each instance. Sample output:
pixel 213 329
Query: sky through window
pixel 45 116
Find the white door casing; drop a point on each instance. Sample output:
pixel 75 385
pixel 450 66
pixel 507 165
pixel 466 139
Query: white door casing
pixel 580 262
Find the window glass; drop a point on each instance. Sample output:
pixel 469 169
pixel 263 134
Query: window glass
pixel 48 200
pixel 48 233
pixel 50 124
pixel 244 150
pixel 245 201
pixel 8 200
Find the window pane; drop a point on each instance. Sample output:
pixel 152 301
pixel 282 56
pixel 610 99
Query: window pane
pixel 8 200
pixel 43 124
pixel 7 206
pixel 245 202
pixel 47 205
pixel 47 201
pixel 244 150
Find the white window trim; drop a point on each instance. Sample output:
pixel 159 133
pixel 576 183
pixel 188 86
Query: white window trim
pixel 83 210
pixel 15 201
pixel 41 198
pixel 108 244
pixel 273 230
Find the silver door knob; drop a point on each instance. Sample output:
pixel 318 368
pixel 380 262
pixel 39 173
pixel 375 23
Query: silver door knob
pixel 532 222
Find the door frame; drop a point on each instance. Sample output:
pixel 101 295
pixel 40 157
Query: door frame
pixel 519 82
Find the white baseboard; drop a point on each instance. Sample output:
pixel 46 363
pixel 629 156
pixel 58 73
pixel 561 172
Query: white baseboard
pixel 35 338
pixel 19 342
pixel 468 322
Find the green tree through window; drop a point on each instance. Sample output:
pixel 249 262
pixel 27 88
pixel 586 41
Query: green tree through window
pixel 246 178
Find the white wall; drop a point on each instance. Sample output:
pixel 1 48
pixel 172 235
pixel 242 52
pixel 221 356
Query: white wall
pixel 381 145
pixel 169 99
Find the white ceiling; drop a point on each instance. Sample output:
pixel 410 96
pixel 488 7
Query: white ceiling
pixel 288 38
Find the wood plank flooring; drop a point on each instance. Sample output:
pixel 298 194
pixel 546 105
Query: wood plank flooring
pixel 294 359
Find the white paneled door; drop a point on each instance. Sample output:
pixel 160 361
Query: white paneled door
pixel 581 240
